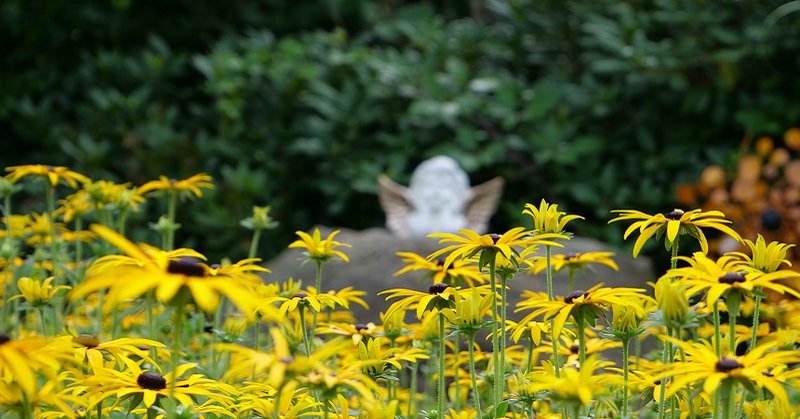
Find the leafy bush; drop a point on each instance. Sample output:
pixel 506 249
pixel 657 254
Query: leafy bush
pixel 597 105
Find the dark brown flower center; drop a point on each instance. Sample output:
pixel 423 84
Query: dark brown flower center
pixel 4 338
pixel 438 288
pixel 494 237
pixel 674 215
pixel 726 364
pixel 440 261
pixel 767 374
pixel 300 295
pixel 571 256
pixel 575 348
pixel 731 278
pixel 286 360
pixel 86 340
pixel 360 326
pixel 186 266
pixel 573 295
pixel 151 381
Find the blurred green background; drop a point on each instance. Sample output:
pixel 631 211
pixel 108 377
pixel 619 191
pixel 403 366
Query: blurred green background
pixel 594 104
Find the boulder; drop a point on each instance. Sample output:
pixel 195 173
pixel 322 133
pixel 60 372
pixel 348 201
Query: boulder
pixel 373 261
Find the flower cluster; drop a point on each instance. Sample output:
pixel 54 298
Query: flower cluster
pixel 125 329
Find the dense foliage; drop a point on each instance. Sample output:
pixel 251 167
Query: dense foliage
pixel 595 104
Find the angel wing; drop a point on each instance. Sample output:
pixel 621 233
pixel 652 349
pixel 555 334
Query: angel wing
pixel 396 204
pixel 482 203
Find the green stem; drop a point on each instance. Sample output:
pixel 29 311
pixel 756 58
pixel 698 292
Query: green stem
pixel 306 345
pixel 497 386
pixel 149 308
pixel 673 261
pixel 581 337
pixel 625 350
pixel 78 243
pixel 178 342
pixel 456 384
pixel 663 386
pixel 530 357
pixel 502 330
pixel 551 297
pixel 40 314
pixel 319 291
pixel 171 206
pixel 412 392
pixel 732 300
pixel 441 394
pixel 728 398
pixel 549 273
pixel 254 243
pixel 756 314
pixel 476 395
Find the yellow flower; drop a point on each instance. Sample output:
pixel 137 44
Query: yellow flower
pixel 357 332
pixel 317 249
pixel 309 298
pixel 374 358
pixel 470 243
pixel 590 304
pixel 766 258
pixel 438 297
pixel 575 384
pixel 726 274
pixel 453 274
pixel 37 293
pixel 703 366
pixel 548 219
pixel 54 174
pixel 573 260
pixel 123 351
pixel 131 276
pixel 469 309
pixel 674 224
pixel 187 187
pixel 17 224
pixel 120 196
pixel 151 386
pixel 50 396
pixel 21 359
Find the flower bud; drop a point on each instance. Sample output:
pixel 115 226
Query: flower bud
pixel 672 301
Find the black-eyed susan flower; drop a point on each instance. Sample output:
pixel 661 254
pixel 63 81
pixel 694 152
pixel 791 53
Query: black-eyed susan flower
pixel 703 366
pixel 22 359
pixel 309 298
pixel 318 249
pixel 589 304
pixel 53 174
pixel 123 351
pixel 548 219
pixel 725 275
pixel 438 297
pixel 150 386
pixel 191 186
pixel 357 332
pixel 573 261
pixel 469 310
pixel 672 225
pixel 263 400
pixel 37 293
pixel 457 274
pixel 469 243
pixel 141 271
pixel 576 385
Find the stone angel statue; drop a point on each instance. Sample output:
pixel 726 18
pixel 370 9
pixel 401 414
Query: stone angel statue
pixel 438 198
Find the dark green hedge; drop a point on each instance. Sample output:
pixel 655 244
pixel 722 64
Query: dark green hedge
pixel 593 104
